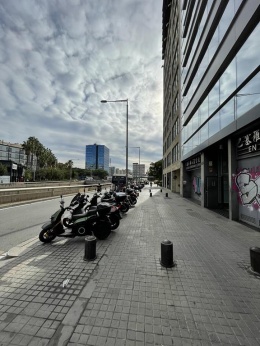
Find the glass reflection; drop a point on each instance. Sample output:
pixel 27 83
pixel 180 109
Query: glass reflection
pixel 248 56
pixel 227 82
pixel 214 98
pixel 227 114
pixel 248 97
pixel 214 124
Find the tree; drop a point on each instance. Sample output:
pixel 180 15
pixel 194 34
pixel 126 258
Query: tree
pixel 3 169
pixel 155 170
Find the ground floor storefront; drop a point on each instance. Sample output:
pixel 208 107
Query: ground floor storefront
pixel 226 176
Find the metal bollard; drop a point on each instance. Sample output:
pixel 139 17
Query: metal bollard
pixel 161 190
pixel 255 259
pixel 90 248
pixel 167 254
pixel 151 194
pixel 166 195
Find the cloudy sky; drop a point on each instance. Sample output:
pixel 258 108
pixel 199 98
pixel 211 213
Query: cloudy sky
pixel 59 58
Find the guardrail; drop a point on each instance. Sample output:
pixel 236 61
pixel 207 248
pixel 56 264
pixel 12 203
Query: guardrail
pixel 15 195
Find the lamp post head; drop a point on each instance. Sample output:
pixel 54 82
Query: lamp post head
pixel 103 101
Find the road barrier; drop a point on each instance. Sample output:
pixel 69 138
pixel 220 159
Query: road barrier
pixel 15 195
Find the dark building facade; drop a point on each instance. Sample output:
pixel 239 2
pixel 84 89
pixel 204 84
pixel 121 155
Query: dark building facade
pixel 14 158
pixel 220 110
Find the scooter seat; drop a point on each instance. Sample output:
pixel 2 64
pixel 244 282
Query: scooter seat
pixel 88 212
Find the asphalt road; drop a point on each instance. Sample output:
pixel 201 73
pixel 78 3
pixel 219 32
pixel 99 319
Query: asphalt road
pixel 20 223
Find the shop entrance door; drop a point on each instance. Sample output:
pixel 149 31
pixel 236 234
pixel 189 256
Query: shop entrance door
pixel 211 192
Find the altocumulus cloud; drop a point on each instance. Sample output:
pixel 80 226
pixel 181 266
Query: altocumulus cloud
pixel 59 58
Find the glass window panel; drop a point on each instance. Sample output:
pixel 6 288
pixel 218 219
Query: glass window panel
pixel 184 134
pixel 195 121
pixel 196 140
pixel 245 103
pixel 204 133
pixel 214 125
pixel 214 98
pixel 204 110
pixel 228 81
pixel 248 57
pixel 227 114
pixel 226 18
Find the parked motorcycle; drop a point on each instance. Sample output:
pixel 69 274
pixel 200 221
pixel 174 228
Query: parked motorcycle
pixel 120 199
pixel 113 216
pixel 132 195
pixel 92 221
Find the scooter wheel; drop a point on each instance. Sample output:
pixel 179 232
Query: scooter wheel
pixel 102 230
pixel 114 221
pixel 46 236
pixel 124 208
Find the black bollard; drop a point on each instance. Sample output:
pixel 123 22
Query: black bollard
pixel 151 194
pixel 90 248
pixel 167 254
pixel 161 190
pixel 255 259
pixel 166 195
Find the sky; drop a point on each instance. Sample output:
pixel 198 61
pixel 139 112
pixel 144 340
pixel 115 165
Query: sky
pixel 60 58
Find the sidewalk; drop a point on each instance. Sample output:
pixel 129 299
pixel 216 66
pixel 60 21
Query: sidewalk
pixel 50 296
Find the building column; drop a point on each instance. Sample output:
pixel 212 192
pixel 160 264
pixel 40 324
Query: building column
pixel 232 164
pixel 202 174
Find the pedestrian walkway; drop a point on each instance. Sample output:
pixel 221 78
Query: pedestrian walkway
pixel 50 296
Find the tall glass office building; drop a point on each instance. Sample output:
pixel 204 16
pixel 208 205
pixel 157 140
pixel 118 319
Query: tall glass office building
pixel 97 157
pixel 219 100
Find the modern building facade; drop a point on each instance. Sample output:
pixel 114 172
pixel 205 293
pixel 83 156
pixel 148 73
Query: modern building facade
pixel 97 157
pixel 171 97
pixel 12 155
pixel 220 110
pixel 138 170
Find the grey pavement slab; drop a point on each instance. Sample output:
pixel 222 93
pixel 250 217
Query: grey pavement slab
pixel 125 296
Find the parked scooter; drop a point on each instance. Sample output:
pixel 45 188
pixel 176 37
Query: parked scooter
pixel 93 221
pixel 120 199
pixel 132 196
pixel 113 216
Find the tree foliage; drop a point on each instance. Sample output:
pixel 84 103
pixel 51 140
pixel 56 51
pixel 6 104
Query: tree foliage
pixel 3 169
pixel 48 167
pixel 45 157
pixel 155 170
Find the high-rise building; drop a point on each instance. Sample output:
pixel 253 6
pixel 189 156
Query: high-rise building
pixel 219 93
pixel 171 97
pixel 97 157
pixel 138 170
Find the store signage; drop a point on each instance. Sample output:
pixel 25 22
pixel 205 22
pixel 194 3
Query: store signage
pixel 249 144
pixel 14 166
pixel 193 163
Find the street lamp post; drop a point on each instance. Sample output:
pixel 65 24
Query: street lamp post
pixel 126 153
pixel 139 176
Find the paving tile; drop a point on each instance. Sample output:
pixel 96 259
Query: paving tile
pixel 208 298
